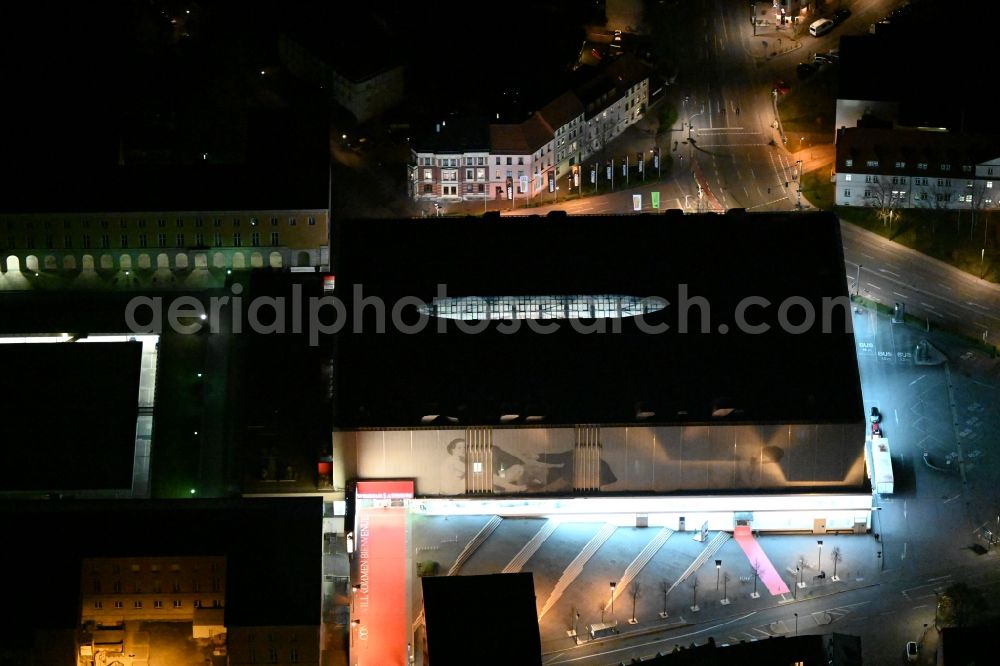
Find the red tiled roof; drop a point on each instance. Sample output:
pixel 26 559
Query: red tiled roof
pixel 562 109
pixel 520 139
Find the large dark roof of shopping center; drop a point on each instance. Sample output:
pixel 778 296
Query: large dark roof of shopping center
pixel 202 187
pixel 395 379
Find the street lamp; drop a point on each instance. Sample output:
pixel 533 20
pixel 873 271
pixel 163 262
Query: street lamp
pixel 819 561
pixel 613 586
pixel 796 624
pixel 798 200
pixel 354 623
pixel 691 117
pixel 881 549
pixel 718 572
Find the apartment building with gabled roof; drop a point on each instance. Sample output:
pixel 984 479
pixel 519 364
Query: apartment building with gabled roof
pixel 539 151
pixel 892 169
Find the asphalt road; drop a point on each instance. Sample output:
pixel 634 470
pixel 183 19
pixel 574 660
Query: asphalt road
pixel 740 168
pixel 939 293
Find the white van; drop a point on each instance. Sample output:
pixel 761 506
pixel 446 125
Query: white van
pixel 820 27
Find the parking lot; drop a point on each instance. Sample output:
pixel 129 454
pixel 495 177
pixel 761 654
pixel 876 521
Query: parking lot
pixel 945 406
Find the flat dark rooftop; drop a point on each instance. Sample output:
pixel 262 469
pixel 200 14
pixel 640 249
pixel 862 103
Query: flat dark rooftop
pixel 484 620
pixel 69 415
pixel 393 379
pixel 273 569
pixel 166 188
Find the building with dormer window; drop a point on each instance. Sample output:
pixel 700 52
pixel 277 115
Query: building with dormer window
pixel 897 169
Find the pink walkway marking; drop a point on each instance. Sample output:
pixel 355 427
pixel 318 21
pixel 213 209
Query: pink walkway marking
pixel 768 574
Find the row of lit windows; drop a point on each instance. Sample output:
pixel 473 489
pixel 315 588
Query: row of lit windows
pixel 116 586
pixel 572 124
pixel 428 174
pixel 157 604
pixel 901 180
pixel 161 223
pixel 451 161
pixel 142 241
pixel 921 166
pixel 944 197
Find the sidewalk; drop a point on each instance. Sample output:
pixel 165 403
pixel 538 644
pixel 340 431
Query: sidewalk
pixel 772 41
pixel 857 568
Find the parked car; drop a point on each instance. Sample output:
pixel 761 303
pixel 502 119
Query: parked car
pixel 823 59
pixel 912 651
pixel 876 429
pixel 806 69
pixel 841 15
pixel 781 87
pixel 876 415
pixel 820 27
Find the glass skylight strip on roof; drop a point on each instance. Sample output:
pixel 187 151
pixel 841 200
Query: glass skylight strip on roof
pixel 602 306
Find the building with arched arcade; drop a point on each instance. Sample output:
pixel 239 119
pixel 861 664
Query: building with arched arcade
pixel 177 220
pixel 112 241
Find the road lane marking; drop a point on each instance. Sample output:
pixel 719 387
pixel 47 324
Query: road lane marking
pixel 874 285
pixel 899 294
pixel 927 305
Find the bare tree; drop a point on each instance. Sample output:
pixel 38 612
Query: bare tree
pixel 934 196
pixel 665 588
pixel 977 198
pixel 694 590
pixel 636 591
pixel 884 194
pixel 837 557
